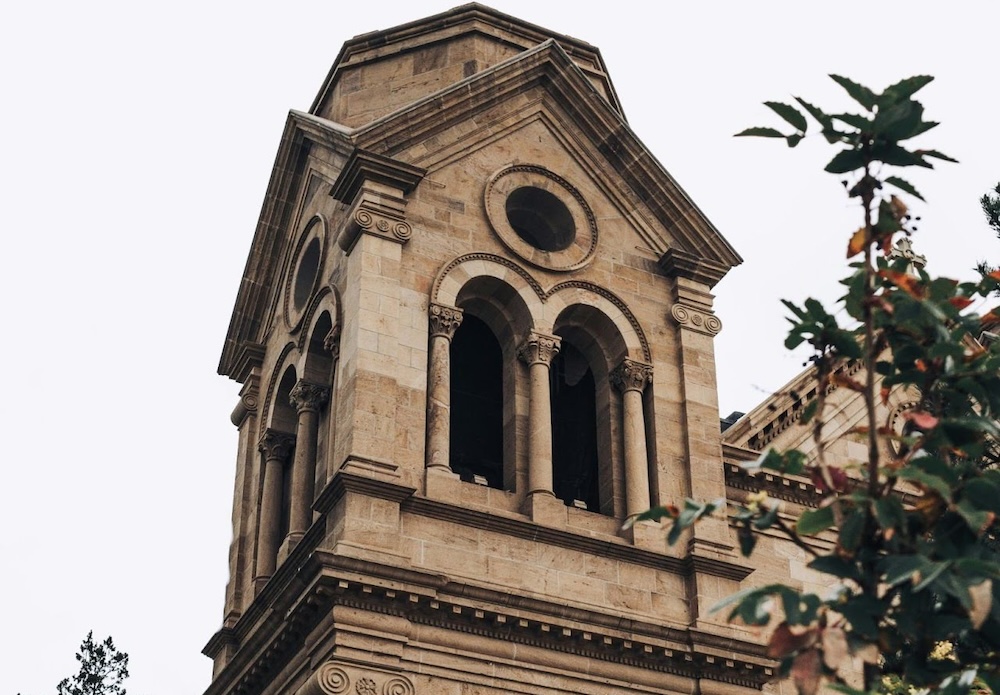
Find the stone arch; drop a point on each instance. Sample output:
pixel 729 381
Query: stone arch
pixel 585 449
pixel 286 358
pixel 610 311
pixel 457 275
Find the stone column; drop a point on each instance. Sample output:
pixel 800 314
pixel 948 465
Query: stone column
pixel 444 321
pixel 331 343
pixel 537 352
pixel 307 399
pixel 631 378
pixel 276 447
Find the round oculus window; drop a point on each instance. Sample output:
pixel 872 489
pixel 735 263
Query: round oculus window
pixel 541 217
pixel 301 282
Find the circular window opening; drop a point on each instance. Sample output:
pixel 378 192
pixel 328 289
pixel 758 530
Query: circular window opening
pixel 540 218
pixel 305 276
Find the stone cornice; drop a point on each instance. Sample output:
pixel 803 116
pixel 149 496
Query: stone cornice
pixel 364 167
pixel 325 580
pixel 680 263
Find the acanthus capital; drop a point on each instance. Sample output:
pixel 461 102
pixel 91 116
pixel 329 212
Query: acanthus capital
pixel 308 396
pixel 632 375
pixel 445 320
pixel 276 445
pixel 539 348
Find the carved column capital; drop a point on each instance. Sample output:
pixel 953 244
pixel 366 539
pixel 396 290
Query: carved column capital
pixel 308 396
pixel 331 342
pixel 701 321
pixel 539 348
pixel 631 375
pixel 276 445
pixel 445 320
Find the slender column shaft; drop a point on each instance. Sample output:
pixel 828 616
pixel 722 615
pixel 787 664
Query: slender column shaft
pixel 444 321
pixel 307 399
pixel 538 351
pixel 631 378
pixel 275 447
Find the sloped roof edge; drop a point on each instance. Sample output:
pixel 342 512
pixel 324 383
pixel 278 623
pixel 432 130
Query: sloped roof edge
pixel 521 33
pixel 548 64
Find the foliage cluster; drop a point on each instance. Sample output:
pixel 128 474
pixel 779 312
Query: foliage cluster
pixel 103 670
pixel 898 535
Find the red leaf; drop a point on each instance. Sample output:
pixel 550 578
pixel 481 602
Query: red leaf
pixel 857 243
pixel 921 419
pixel 995 275
pixel 806 671
pixel 904 281
pixel 784 642
pixel 960 302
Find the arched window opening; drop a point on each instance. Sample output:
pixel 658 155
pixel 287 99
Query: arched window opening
pixel 476 431
pixel 283 420
pixel 575 472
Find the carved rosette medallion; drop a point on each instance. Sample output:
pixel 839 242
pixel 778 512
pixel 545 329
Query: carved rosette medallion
pixel 539 348
pixel 366 686
pixel 445 320
pixel 700 321
pixel 308 396
pixel 276 445
pixel 376 222
pixel 631 375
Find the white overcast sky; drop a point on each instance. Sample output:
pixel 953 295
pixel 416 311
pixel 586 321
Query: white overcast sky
pixel 137 142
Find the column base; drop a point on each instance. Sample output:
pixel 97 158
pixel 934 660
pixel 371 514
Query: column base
pixel 546 509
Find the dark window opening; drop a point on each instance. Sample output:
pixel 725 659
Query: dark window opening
pixel 574 430
pixel 477 404
pixel 540 218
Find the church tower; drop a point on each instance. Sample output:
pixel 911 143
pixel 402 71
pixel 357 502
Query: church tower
pixel 474 334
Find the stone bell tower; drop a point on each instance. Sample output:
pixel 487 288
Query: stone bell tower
pixel 475 333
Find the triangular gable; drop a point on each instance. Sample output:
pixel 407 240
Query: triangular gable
pixel 694 239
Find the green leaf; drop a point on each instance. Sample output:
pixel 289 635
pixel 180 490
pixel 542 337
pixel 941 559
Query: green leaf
pixel 977 519
pixel 902 568
pixel 903 185
pixel 858 92
pixel 852 119
pixel 930 573
pixel 790 114
pixel 936 155
pixel 812 521
pixel 835 566
pixel 845 161
pixel 760 133
pixel 851 529
pixel 903 89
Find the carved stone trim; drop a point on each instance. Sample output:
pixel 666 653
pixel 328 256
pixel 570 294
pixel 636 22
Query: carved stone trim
pixel 331 341
pixel 369 217
pixel 276 445
pixel 445 320
pixel 308 396
pixel 614 299
pixel 491 258
pixel 699 321
pixel 249 399
pixel 502 183
pixel 631 375
pixel 363 167
pixel 677 263
pixel 334 678
pixel 539 348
